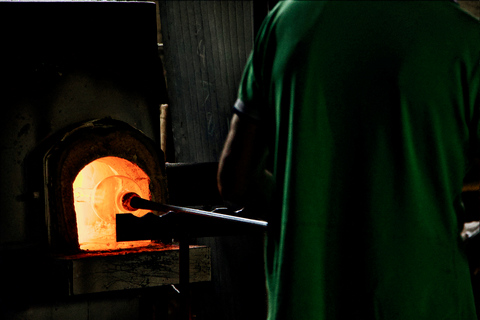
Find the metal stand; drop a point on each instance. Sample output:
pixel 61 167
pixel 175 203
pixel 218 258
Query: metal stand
pixel 184 278
pixel 183 224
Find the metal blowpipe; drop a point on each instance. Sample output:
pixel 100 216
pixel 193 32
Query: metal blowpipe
pixel 132 201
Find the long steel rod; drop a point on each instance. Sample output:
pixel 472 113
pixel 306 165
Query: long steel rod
pixel 133 201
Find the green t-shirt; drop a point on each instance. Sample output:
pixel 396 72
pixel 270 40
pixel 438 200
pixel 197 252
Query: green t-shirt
pixel 373 109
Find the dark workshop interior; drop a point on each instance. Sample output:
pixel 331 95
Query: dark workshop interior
pixel 105 99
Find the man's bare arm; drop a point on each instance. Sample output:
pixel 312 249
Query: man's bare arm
pixel 242 178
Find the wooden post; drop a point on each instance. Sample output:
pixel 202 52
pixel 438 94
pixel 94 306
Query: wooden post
pixel 163 129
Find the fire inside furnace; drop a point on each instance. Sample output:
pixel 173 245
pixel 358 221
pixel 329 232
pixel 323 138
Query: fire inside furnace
pixel 98 192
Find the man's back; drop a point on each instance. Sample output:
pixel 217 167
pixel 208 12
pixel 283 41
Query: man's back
pixel 375 107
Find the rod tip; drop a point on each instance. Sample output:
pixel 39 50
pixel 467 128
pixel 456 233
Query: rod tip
pixel 127 201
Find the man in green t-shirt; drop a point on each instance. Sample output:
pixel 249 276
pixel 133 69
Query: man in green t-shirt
pixel 366 114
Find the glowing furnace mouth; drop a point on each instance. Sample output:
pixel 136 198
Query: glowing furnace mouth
pixel 98 190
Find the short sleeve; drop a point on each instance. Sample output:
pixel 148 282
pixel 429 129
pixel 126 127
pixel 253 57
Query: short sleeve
pixel 248 110
pixel 253 87
pixel 250 95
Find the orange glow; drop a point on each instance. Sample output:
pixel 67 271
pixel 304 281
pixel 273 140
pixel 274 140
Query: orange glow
pixel 98 190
